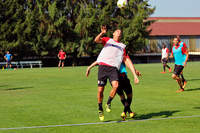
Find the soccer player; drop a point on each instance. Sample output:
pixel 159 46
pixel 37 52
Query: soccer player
pixel 180 54
pixel 8 57
pixel 109 60
pixel 184 45
pixel 124 87
pixel 164 57
pixel 62 57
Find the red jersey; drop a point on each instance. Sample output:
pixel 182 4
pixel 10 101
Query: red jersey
pixel 62 55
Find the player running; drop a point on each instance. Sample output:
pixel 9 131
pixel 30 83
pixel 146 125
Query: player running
pixel 109 60
pixel 180 54
pixel 164 58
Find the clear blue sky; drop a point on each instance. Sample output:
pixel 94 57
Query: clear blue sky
pixel 176 8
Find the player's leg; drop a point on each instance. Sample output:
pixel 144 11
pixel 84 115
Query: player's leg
pixel 129 93
pixel 183 80
pixel 63 62
pixel 59 63
pixel 101 83
pixel 100 100
pixel 177 70
pixel 168 65
pixel 113 75
pixel 112 95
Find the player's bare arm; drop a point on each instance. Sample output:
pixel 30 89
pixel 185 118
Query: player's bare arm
pixel 90 67
pixel 187 56
pixel 130 65
pixel 99 37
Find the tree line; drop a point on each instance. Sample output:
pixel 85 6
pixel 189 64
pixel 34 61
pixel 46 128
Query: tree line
pixel 41 27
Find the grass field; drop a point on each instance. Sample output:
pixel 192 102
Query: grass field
pixel 49 96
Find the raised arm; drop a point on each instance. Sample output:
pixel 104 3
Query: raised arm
pixel 98 38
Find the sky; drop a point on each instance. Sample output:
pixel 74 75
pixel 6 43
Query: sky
pixel 176 8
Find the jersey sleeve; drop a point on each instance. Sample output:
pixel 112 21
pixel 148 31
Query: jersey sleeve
pixel 125 54
pixel 167 50
pixel 184 45
pixel 104 40
pixel 184 50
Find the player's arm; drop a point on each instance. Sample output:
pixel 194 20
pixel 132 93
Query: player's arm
pixel 98 38
pixel 167 53
pixel 5 58
pixel 171 56
pixel 187 56
pixel 90 67
pixel 130 65
pixel 65 56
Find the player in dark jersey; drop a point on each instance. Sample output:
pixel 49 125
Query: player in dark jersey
pixel 125 91
pixel 180 54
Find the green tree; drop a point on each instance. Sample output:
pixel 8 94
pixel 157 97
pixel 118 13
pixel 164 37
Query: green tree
pixel 42 27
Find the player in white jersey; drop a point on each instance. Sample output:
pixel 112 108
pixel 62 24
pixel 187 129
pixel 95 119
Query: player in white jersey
pixel 109 60
pixel 164 58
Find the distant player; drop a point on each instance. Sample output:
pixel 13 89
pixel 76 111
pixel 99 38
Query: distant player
pixel 8 57
pixel 109 60
pixel 164 58
pixel 62 57
pixel 180 54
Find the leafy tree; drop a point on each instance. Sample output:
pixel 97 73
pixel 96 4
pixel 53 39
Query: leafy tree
pixel 42 27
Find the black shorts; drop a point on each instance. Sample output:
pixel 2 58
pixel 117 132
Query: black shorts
pixel 164 60
pixel 124 85
pixel 107 72
pixel 8 62
pixel 178 69
pixel 62 61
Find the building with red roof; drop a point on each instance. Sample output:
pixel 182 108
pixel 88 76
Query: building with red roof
pixel 164 29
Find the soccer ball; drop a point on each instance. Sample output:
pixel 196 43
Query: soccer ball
pixel 122 3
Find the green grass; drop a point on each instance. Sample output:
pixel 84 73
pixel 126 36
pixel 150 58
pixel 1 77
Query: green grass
pixel 49 96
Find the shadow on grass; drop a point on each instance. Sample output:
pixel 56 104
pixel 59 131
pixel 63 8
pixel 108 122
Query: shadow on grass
pixel 192 79
pixel 163 114
pixel 18 88
pixel 196 107
pixel 3 85
pixel 195 89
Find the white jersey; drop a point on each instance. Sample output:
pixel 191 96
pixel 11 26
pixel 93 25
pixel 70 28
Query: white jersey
pixel 164 52
pixel 112 53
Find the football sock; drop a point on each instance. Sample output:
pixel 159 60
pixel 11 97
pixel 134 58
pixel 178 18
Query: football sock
pixel 167 66
pixel 109 100
pixel 100 107
pixel 183 79
pixel 164 68
pixel 123 101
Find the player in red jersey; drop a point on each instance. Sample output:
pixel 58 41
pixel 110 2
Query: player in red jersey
pixel 109 60
pixel 62 57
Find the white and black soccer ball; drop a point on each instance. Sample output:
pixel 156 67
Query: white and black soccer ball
pixel 122 3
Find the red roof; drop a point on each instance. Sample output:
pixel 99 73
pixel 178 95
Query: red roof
pixel 174 26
